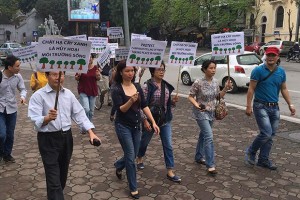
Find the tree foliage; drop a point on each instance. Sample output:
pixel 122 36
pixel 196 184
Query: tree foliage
pixel 26 5
pixel 8 10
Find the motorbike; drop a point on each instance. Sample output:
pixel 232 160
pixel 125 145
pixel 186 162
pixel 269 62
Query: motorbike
pixel 293 55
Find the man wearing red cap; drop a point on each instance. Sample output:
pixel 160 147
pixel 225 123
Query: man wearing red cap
pixel 265 83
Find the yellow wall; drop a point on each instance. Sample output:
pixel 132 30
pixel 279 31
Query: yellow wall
pixel 268 9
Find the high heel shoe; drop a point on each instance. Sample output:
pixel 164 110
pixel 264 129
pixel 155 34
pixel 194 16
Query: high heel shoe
pixel 135 196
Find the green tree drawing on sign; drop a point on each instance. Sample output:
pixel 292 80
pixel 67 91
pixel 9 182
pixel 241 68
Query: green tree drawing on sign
pixel 238 47
pixel 233 48
pixel 43 61
pixel 172 58
pixel 32 57
pixel 137 60
pixel 157 58
pixel 143 60
pixel 81 62
pixel 176 58
pixel 229 50
pixel 132 57
pixel 151 60
pixel 59 63
pixel 216 50
pixel 220 50
pixel 72 63
pixel 66 64
pixel 52 62
pixel 147 60
pixel 179 60
pixel 225 49
pixel 191 58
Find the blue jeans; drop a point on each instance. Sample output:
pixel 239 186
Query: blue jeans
pixel 129 139
pixel 88 103
pixel 205 145
pixel 7 124
pixel 267 119
pixel 166 140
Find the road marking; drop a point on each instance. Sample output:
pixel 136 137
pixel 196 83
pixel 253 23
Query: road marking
pixel 294 91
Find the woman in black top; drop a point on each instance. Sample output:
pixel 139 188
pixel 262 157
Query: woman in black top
pixel 128 99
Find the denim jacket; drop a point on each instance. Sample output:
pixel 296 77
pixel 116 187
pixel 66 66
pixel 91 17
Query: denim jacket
pixel 151 89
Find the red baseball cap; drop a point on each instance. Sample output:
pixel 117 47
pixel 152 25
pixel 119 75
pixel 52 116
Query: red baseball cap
pixel 273 50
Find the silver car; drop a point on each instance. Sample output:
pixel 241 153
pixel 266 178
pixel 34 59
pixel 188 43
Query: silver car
pixel 240 67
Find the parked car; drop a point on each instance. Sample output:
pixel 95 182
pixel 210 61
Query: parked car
pixel 254 46
pixel 6 49
pixel 283 46
pixel 240 67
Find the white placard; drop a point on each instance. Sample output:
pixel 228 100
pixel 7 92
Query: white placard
pixel 98 44
pixel 77 37
pixel 26 54
pixel 135 36
pixel 113 47
pixel 115 32
pixel 104 58
pixel 121 54
pixel 227 43
pixel 182 53
pixel 57 54
pixel 146 53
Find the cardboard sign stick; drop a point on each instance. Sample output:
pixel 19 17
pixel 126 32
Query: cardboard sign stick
pixel 228 67
pixel 178 80
pixel 35 73
pixel 57 91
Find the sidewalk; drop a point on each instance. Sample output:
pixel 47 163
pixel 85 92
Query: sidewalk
pixel 92 175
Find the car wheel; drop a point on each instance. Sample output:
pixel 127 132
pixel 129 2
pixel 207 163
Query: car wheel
pixel 186 79
pixel 234 88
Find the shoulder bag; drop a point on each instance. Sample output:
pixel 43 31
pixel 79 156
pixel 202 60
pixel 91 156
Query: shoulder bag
pixel 221 109
pixel 158 110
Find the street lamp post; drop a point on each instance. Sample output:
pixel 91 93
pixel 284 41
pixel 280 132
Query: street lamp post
pixel 126 23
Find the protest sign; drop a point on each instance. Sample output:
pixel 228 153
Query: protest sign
pixel 58 54
pixel 26 54
pixel 182 53
pixel 113 47
pixel 146 53
pixel 98 44
pixel 77 37
pixel 135 36
pixel 115 32
pixel 121 54
pixel 104 58
pixel 227 43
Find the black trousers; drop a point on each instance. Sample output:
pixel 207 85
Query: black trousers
pixel 56 150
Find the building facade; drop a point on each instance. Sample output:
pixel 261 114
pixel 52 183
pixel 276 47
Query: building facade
pixel 272 20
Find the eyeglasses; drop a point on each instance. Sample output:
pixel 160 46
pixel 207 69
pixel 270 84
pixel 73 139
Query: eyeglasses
pixel 160 69
pixel 271 55
pixel 56 75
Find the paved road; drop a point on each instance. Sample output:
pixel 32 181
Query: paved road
pixel 92 175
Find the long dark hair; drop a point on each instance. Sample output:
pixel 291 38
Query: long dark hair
pixel 206 64
pixel 120 66
pixel 152 69
pixel 10 61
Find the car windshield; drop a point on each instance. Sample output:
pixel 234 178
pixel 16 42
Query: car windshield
pixel 15 45
pixel 248 59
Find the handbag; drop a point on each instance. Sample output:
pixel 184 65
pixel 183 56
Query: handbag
pixel 158 110
pixel 221 109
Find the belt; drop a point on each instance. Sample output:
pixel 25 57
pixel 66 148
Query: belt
pixel 56 132
pixel 266 103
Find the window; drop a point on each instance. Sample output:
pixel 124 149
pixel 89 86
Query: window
pixel 248 59
pixel 220 59
pixel 279 17
pixel 201 59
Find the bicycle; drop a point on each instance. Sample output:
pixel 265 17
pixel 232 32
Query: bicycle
pixel 102 90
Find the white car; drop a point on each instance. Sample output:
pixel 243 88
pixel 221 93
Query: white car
pixel 240 69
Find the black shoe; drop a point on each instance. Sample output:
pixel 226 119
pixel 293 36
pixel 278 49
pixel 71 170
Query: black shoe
pixel 135 196
pixel 119 174
pixel 267 165
pixel 9 158
pixel 175 178
pixel 212 172
pixel 140 166
pixel 201 161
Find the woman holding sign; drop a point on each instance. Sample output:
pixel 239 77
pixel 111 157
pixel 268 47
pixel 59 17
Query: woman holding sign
pixel 87 88
pixel 158 93
pixel 206 90
pixel 128 99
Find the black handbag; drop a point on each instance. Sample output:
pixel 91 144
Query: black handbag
pixel 158 110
